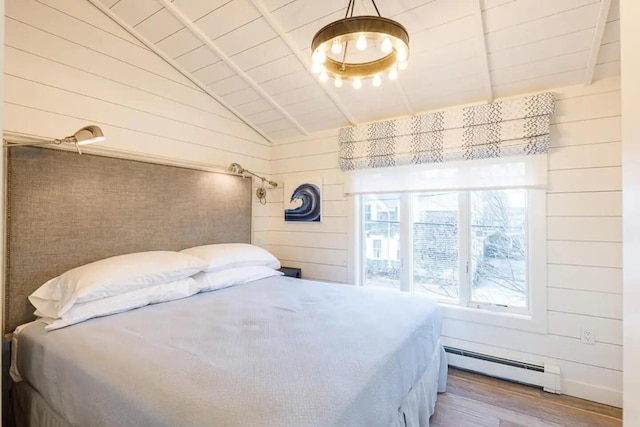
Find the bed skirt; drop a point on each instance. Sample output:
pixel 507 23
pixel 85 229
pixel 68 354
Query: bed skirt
pixel 420 403
pixel 30 408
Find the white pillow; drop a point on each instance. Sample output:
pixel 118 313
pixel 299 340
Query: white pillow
pixel 227 255
pixel 110 277
pixel 232 276
pixel 182 288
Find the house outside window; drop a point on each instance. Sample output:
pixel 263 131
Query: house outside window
pixel 382 240
pixel 377 249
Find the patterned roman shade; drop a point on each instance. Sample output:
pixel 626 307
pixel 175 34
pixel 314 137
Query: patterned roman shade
pixel 510 128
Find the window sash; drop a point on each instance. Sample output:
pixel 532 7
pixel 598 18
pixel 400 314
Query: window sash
pixel 470 302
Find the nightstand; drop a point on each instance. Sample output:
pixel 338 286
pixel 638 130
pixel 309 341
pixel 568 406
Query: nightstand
pixel 292 272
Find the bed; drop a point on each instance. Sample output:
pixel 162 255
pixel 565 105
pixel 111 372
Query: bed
pixel 276 351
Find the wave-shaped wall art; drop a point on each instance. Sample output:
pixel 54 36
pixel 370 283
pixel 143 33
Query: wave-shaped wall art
pixel 305 201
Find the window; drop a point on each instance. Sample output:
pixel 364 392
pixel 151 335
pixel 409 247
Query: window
pixel 377 249
pixel 436 264
pixel 499 247
pixel 446 231
pixel 382 238
pixel 468 248
pixel 367 212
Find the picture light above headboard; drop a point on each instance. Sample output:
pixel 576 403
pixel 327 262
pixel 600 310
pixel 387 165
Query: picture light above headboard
pixel 87 135
pixel 261 193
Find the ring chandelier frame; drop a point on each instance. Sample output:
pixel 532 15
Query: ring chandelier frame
pixel 339 36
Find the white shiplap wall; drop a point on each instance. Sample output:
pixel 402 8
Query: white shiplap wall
pixel 584 235
pixel 319 249
pixel 630 16
pixel 67 65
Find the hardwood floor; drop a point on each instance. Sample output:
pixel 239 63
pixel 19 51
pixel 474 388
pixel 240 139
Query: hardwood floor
pixel 476 400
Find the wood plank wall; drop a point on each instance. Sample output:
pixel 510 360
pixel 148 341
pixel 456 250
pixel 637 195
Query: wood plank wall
pixel 584 235
pixel 67 65
pixel 630 85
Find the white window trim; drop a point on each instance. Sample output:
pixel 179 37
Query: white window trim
pixel 536 318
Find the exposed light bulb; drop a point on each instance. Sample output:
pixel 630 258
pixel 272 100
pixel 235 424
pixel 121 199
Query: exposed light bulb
pixel 402 65
pixel 357 83
pixel 361 43
pixel 393 74
pixel 386 47
pixel 401 55
pixel 338 82
pixel 377 81
pixel 324 77
pixel 336 46
pixel 317 68
pixel 318 56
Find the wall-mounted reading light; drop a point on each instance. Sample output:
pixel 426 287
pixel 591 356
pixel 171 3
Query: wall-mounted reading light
pixel 87 135
pixel 261 192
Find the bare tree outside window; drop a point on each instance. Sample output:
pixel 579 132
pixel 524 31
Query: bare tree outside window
pixel 498 245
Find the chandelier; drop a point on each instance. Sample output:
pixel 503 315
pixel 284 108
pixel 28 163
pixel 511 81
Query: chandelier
pixel 381 46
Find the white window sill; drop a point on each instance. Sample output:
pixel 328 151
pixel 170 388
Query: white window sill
pixel 525 322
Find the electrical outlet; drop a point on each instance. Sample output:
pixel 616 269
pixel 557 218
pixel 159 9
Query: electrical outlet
pixel 588 336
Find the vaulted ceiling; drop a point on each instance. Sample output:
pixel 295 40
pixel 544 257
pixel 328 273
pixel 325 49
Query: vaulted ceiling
pixel 254 55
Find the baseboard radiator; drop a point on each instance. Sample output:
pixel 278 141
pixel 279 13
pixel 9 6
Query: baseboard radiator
pixel 546 375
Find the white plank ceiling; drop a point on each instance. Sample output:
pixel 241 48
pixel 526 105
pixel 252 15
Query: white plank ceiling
pixel 254 56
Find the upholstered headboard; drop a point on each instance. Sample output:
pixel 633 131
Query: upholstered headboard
pixel 65 210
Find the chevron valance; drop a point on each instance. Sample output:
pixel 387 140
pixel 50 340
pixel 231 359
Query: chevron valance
pixel 509 128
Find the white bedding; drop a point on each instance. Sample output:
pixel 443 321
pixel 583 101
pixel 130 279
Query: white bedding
pixel 274 352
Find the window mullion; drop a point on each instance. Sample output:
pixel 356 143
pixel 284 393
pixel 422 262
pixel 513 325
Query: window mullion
pixel 406 243
pixel 464 248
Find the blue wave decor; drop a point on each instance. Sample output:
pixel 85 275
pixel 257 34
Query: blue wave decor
pixel 309 211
